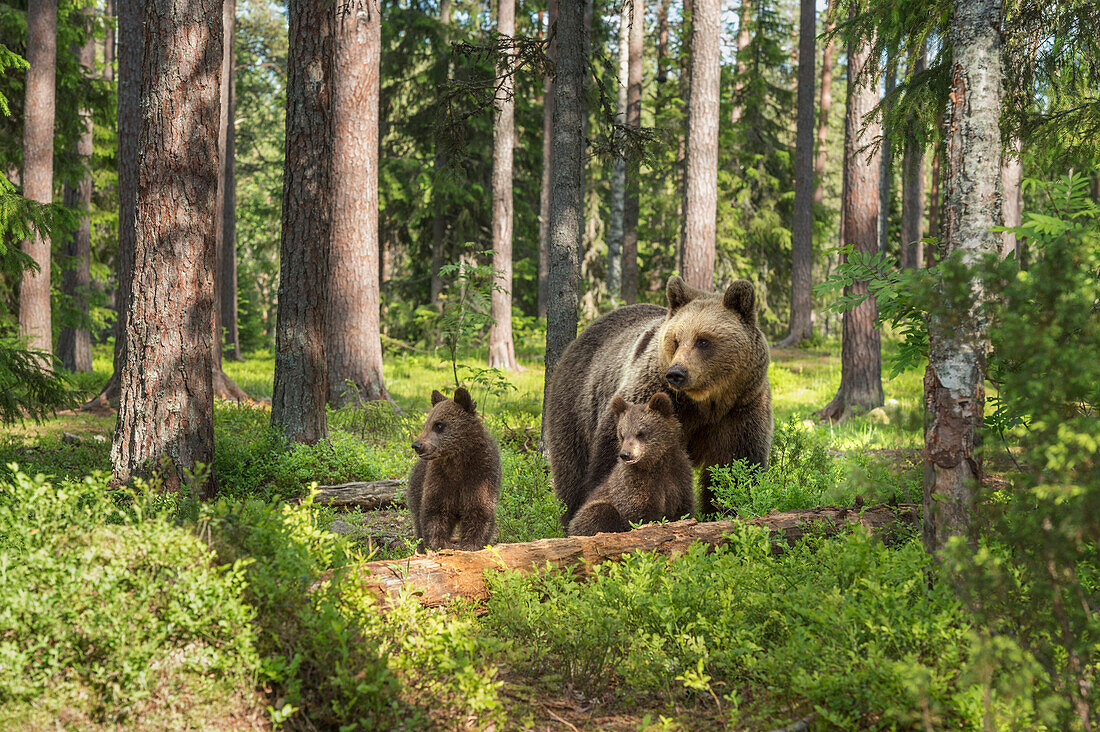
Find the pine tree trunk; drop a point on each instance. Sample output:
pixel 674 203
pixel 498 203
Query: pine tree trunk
pixel 662 41
pixel 1012 207
pixel 824 103
pixel 743 38
pixel 109 41
pixel 228 197
pixel 618 167
pixel 74 343
pixel 167 404
pixel 35 322
pixel 301 374
pixel 634 122
pixel 886 180
pixel 684 84
pixel 439 164
pixel 701 164
pixel 567 179
pixel 935 201
pixel 912 193
pixel 502 349
pixel 353 344
pixel 861 350
pixel 954 382
pixel 802 226
pixel 547 164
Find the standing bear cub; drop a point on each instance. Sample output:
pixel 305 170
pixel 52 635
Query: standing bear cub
pixel 456 482
pixel 705 351
pixel 653 478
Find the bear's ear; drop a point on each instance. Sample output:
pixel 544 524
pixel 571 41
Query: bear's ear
pixel 661 404
pixel 740 297
pixel 619 406
pixel 437 397
pixel 462 399
pixel 679 294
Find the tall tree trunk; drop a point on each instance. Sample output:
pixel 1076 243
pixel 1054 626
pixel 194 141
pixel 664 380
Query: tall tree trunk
pixel 34 289
pixel 502 349
pixel 886 180
pixel 567 177
pixel 684 85
pixel 935 201
pixel 662 41
pixel 618 166
pixel 824 103
pixel 743 38
pixel 634 122
pixel 912 193
pixel 109 40
pixel 301 374
pixel 74 343
pixel 166 412
pixel 228 178
pixel 802 226
pixel 439 164
pixel 547 164
pixel 1012 207
pixel 701 168
pixel 954 382
pixel 353 343
pixel 860 350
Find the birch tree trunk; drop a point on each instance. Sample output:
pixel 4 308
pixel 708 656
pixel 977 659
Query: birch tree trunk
pixel 912 193
pixel 353 342
pixel 701 165
pixel 633 121
pixel 547 163
pixel 74 343
pixel 743 39
pixel 1012 206
pixel 35 321
pixel 954 381
pixel 502 349
pixel 166 409
pixel 861 349
pixel 301 374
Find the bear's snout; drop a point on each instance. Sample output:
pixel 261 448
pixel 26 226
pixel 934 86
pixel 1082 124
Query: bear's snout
pixel 418 449
pixel 677 376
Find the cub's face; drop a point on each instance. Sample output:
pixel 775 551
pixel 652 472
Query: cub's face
pixel 447 430
pixel 646 431
pixel 710 345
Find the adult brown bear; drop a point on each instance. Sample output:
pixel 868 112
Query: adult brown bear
pixel 705 351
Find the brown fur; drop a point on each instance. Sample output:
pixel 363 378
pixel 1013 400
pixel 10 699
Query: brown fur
pixel 652 479
pixel 724 402
pixel 456 482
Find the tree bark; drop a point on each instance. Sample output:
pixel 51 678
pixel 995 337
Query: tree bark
pixel 618 166
pixel 364 496
pixel 35 322
pixel 662 41
pixel 353 343
pixel 1012 207
pixel 502 349
pixel 74 343
pixel 912 193
pixel 861 349
pixel 701 164
pixel 109 41
pixel 439 164
pixel 802 226
pixel 167 404
pixel 547 163
pixel 228 179
pixel 301 373
pixel 634 122
pixel 886 180
pixel 935 201
pixel 743 39
pixel 824 103
pixel 439 578
pixel 954 381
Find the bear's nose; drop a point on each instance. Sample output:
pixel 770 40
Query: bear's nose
pixel 676 376
pixel 418 448
pixel 624 456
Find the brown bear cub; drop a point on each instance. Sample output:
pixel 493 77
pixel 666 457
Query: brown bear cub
pixel 652 479
pixel 456 482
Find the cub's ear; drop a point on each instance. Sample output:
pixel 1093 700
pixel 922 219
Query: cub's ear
pixel 462 399
pixel 740 297
pixel 679 294
pixel 619 406
pixel 661 404
pixel 437 397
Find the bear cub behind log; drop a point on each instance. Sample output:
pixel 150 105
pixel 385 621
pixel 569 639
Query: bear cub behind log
pixel 456 482
pixel 652 479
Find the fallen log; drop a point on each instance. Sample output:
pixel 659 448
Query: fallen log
pixel 441 577
pixel 367 496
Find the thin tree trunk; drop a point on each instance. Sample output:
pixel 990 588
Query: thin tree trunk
pixel 618 166
pixel 301 374
pixel 886 180
pixel 802 226
pixel 912 193
pixel 547 164
pixel 35 322
pixel 954 382
pixel 439 164
pixel 634 122
pixel 166 412
pixel 743 39
pixel 353 344
pixel 228 197
pixel 681 149
pixel 74 343
pixel 1012 197
pixel 701 165
pixel 935 200
pixel 502 349
pixel 109 41
pixel 861 350
pixel 824 103
pixel 662 41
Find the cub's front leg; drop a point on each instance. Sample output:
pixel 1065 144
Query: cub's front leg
pixel 437 527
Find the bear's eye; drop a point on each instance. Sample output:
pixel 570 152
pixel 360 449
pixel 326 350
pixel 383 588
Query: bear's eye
pixel 641 435
pixel 702 343
pixel 438 427
pixel 675 344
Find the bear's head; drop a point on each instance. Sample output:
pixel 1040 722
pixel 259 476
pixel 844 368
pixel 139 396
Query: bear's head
pixel 448 428
pixel 646 431
pixel 710 347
